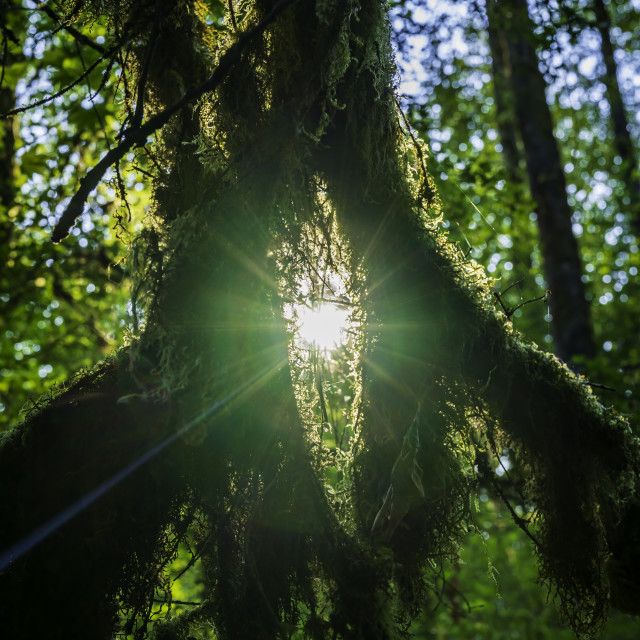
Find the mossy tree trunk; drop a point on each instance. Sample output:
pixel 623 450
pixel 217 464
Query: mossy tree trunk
pixel 197 419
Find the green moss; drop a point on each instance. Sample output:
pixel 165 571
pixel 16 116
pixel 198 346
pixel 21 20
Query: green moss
pixel 300 158
pixel 305 132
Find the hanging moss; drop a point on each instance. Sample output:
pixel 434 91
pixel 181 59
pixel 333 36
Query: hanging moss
pixel 300 158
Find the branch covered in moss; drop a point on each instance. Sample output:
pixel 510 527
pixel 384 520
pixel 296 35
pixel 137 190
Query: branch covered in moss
pixel 138 134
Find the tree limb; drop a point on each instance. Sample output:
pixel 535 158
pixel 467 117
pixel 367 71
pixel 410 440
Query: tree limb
pixel 62 91
pixel 137 135
pixel 77 35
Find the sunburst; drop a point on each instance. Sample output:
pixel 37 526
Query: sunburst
pixel 323 326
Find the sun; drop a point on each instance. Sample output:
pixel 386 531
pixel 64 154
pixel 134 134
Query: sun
pixel 323 326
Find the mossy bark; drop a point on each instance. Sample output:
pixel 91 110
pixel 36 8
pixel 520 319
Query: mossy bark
pixel 52 467
pixel 434 342
pixel 207 383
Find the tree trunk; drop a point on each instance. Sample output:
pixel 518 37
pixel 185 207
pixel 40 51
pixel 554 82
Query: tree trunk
pixel 505 115
pixel 622 138
pixel 7 155
pixel 571 325
pixel 201 406
pixel 199 414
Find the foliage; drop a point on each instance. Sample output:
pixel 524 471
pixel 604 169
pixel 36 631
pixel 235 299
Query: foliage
pixel 192 432
pixel 490 214
pixel 63 308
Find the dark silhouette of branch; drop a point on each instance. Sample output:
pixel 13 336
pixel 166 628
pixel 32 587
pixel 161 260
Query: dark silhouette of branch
pixel 77 35
pixel 62 91
pixel 137 135
pixel 485 472
pixel 598 385
pixel 510 312
pixel 138 114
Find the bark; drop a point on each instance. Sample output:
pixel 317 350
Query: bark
pixel 7 165
pixel 571 326
pixel 204 398
pixel 502 72
pixel 55 462
pixel 8 128
pixel 622 139
pixel 7 169
pixel 431 331
pixel 430 337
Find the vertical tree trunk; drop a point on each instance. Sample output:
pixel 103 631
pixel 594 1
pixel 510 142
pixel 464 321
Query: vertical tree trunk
pixel 7 146
pixel 622 139
pixel 7 151
pixel 501 69
pixel 7 184
pixel 562 267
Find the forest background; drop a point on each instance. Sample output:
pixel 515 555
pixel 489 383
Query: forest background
pixel 64 307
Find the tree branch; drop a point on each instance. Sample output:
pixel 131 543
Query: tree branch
pixel 79 37
pixel 137 135
pixel 62 91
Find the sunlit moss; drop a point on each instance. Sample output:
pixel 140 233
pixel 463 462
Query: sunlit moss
pixel 298 163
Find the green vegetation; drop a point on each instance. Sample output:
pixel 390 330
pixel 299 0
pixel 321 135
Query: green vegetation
pixel 192 467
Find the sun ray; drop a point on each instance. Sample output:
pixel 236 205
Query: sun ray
pixel 23 546
pixel 323 326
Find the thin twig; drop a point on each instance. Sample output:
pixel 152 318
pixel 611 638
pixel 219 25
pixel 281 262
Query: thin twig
pixel 499 299
pixel 494 448
pixel 68 18
pixel 337 301
pixel 194 558
pixel 77 35
pixel 90 97
pixel 123 195
pixel 597 385
pixel 511 286
pixel 510 312
pixel 521 523
pixel 105 77
pixel 144 172
pixel 317 374
pixel 57 94
pixel 138 135
pixel 544 297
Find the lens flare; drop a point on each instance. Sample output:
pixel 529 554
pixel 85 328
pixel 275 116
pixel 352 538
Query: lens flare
pixel 27 543
pixel 323 326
